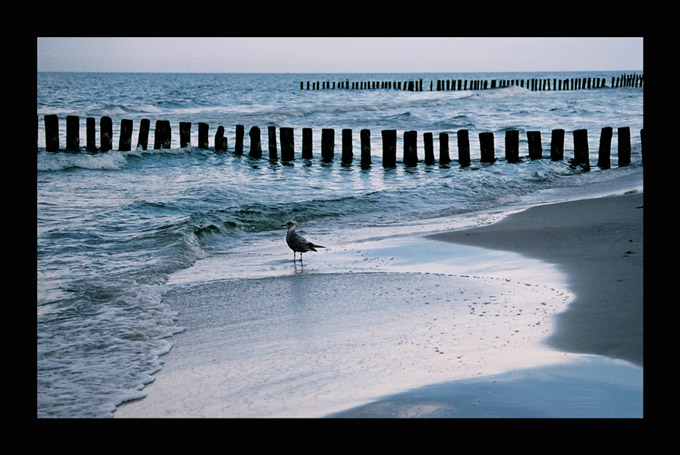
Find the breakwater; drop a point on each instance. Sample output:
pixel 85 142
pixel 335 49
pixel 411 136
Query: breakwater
pixel 411 154
pixel 533 84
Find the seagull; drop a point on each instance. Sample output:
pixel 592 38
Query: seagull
pixel 296 242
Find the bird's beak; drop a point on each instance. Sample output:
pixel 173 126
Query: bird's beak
pixel 284 225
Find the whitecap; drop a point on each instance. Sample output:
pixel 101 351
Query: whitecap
pixel 50 161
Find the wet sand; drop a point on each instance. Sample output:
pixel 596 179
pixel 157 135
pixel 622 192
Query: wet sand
pixel 599 244
pixel 410 340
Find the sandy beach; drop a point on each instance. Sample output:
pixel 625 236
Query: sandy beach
pixel 315 343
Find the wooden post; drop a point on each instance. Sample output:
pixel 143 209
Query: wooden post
pixel 624 146
pixel 184 134
pixel 203 136
pixel 365 148
pixel 255 144
pixel 307 143
pixel 106 134
pixel 125 139
pixel 221 142
pixel 410 148
pixel 162 135
pixel 51 133
pixel 429 148
pixel 512 146
pixel 287 144
pixel 91 133
pixel 557 145
pixel 581 152
pixel 271 136
pixel 347 154
pixel 535 147
pixel 327 144
pixel 486 147
pixel 389 148
pixel 444 158
pixel 238 145
pixel 603 158
pixel 463 148
pixel 143 137
pixel 72 133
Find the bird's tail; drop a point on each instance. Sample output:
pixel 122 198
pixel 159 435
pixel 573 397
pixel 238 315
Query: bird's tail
pixel 313 247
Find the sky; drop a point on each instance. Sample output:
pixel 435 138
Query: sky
pixel 338 54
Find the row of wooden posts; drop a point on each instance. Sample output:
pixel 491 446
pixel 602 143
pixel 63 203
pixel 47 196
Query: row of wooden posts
pixel 163 134
pixel 626 80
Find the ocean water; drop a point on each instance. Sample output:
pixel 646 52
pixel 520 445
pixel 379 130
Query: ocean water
pixel 114 227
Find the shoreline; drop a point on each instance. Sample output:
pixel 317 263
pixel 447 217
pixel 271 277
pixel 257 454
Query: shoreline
pixel 588 240
pixel 599 244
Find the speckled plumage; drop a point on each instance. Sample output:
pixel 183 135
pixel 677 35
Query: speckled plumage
pixel 296 242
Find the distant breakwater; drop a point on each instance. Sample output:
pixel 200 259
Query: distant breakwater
pixel 163 135
pixel 533 84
